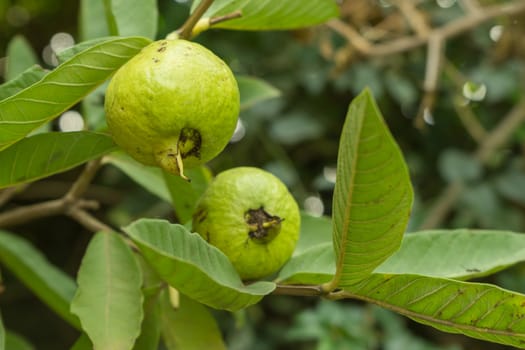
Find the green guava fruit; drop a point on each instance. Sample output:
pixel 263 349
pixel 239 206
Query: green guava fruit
pixel 173 105
pixel 250 215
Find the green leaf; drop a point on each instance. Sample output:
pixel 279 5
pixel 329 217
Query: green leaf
pixel 254 90
pixel 2 334
pixel 171 188
pixel 188 263
pixel 478 310
pixel 14 341
pixel 152 287
pixel 458 254
pixel 456 165
pixel 149 337
pixel 314 231
pixel 42 155
pixel 63 87
pixel 190 327
pixel 82 343
pixel 272 14
pixel 92 21
pixel 372 196
pixel 135 17
pixel 70 52
pixel 22 81
pixel 151 178
pixel 20 56
pixel 108 300
pixel 50 284
pixel 315 265
pixel 184 194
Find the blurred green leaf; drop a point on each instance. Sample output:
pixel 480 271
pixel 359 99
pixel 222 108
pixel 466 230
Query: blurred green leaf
pixel 295 128
pixel 484 203
pixel 14 341
pixel 63 87
pixel 372 196
pixel 254 90
pixel 272 14
pixel 109 299
pixel 151 178
pixel 203 271
pixel 334 326
pixel 190 327
pixel 20 56
pixel 22 81
pixel 511 185
pixel 135 17
pixel 50 284
pixel 455 165
pixel 401 88
pixel 45 154
pixel 500 80
pixel 82 343
pixel 92 20
pixel 478 310
pixel 171 188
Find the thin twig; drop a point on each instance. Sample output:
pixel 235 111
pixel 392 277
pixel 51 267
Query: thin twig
pixel 447 31
pixel 471 6
pixel 89 221
pixel 82 183
pixel 227 17
pixel 31 212
pixel 70 204
pixel 283 289
pixel 413 16
pixel 187 27
pixel 10 192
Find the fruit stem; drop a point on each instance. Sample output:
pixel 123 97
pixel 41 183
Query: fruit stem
pixel 187 28
pixel 180 165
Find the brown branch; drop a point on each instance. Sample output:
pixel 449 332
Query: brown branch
pixel 89 221
pixel 296 290
pixel 227 17
pixel 70 204
pixel 187 28
pixel 447 31
pixel 31 212
pixel 8 193
pixel 413 16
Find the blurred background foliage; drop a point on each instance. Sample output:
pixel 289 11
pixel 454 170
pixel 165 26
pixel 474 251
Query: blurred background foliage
pixel 463 140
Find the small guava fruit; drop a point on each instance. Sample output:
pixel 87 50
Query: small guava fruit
pixel 173 105
pixel 250 215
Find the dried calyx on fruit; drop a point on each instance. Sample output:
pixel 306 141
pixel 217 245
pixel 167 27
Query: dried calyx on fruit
pixel 173 105
pixel 250 215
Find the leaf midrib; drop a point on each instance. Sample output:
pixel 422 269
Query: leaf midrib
pixel 348 208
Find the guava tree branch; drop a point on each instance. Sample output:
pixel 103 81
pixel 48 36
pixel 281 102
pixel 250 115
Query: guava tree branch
pixel 298 290
pixel 434 38
pixel 70 204
pixel 187 27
